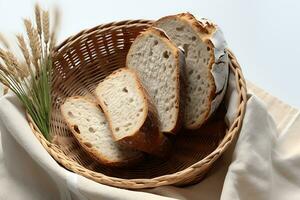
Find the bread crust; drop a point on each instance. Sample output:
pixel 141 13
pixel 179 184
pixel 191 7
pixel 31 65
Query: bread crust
pixel 93 152
pixel 205 31
pixel 147 137
pixel 179 62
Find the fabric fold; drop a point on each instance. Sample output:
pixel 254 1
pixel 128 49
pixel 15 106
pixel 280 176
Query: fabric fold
pixel 264 164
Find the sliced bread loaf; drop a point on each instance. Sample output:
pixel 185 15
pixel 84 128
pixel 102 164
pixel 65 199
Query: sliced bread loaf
pixel 89 126
pixel 131 116
pixel 158 62
pixel 206 70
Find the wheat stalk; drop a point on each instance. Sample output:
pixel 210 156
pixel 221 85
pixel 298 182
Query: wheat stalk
pixel 37 44
pixel 5 84
pixel 24 69
pixel 33 92
pixel 4 41
pixel 14 66
pixel 14 63
pixel 2 54
pixel 3 81
pixel 38 21
pixel 33 42
pixel 24 50
pixel 8 70
pixel 55 27
pixel 46 26
pixel 7 61
pixel 3 71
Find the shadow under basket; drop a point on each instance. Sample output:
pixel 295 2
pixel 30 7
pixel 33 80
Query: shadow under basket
pixel 85 59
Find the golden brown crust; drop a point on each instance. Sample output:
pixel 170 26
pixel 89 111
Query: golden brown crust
pixel 148 137
pixel 163 36
pixel 90 149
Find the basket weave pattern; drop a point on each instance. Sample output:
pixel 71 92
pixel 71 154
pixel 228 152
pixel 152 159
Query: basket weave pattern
pixel 85 59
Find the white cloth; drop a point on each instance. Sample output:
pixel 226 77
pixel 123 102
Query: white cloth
pixel 265 164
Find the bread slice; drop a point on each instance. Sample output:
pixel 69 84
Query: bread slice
pixel 206 70
pixel 131 116
pixel 89 126
pixel 157 62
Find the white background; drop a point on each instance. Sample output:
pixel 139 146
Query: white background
pixel 264 35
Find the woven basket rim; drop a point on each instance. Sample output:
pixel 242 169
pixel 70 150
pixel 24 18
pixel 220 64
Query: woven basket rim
pixel 99 28
pixel 167 179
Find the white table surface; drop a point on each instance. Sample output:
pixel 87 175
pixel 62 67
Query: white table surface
pixel 264 35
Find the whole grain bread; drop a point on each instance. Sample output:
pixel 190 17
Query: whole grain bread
pixel 206 70
pixel 158 62
pixel 131 115
pixel 89 126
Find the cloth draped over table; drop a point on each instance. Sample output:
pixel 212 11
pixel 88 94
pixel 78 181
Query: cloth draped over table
pixel 264 163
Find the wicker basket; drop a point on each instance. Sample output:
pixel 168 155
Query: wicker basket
pixel 80 63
